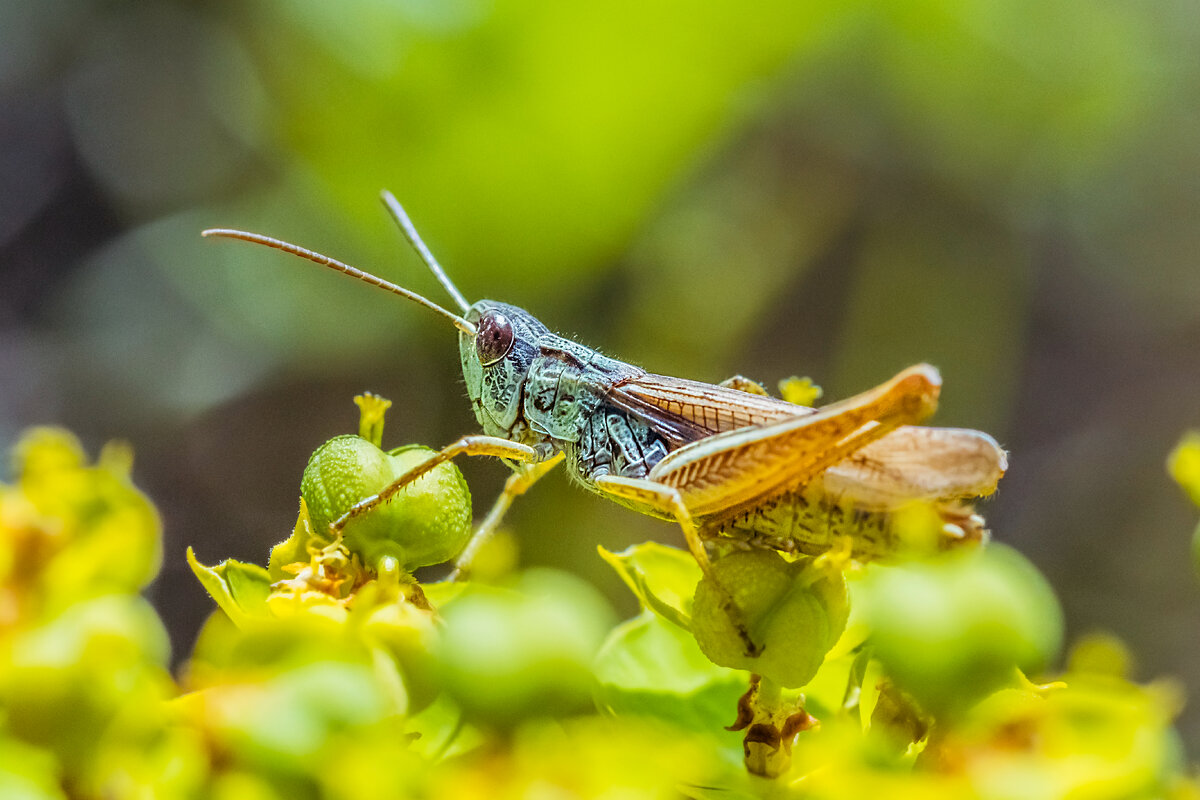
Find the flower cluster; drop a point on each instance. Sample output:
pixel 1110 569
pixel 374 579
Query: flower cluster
pixel 332 672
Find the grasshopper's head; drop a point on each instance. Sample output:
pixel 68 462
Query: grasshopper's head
pixel 496 361
pixel 497 342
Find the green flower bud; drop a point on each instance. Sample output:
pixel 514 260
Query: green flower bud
pixel 427 522
pixel 952 630
pixel 511 653
pixel 408 635
pixel 64 683
pixel 793 611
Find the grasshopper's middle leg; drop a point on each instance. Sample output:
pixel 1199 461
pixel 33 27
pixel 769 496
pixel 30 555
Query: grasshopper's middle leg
pixel 467 445
pixel 667 501
pixel 517 484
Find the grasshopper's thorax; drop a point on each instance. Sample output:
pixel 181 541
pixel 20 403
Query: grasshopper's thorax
pixel 529 385
pixel 569 398
pixel 567 385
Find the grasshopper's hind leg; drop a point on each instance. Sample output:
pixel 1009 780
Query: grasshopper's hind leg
pixel 668 502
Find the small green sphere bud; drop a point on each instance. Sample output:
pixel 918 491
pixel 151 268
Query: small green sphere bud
pixel 509 654
pixel 340 473
pixel 792 610
pixel 951 630
pixel 427 522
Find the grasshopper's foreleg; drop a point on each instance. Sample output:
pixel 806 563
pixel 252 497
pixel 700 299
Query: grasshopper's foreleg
pixel 466 446
pixel 517 484
pixel 668 501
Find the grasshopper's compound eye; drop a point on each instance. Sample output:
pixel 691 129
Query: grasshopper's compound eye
pixel 493 337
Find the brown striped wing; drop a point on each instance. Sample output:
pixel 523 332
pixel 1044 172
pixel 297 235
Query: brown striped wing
pixel 909 463
pixel 738 466
pixel 703 408
pixel 917 463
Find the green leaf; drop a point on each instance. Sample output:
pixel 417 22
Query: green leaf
pixel 838 687
pixel 663 578
pixel 292 549
pixel 652 668
pixel 441 593
pixel 440 731
pixel 241 590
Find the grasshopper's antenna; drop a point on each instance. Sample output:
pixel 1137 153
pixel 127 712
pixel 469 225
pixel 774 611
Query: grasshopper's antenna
pixel 410 232
pixel 333 263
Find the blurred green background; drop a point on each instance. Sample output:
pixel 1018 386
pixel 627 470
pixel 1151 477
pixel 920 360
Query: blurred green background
pixel 1008 189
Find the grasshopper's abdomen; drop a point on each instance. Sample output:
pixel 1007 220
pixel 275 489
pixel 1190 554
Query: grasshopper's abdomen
pixel 811 522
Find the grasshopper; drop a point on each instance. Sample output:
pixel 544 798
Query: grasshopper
pixel 725 462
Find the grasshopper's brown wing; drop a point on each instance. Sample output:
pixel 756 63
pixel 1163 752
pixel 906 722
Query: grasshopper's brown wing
pixel 909 463
pixel 687 411
pixel 917 463
pixel 729 469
